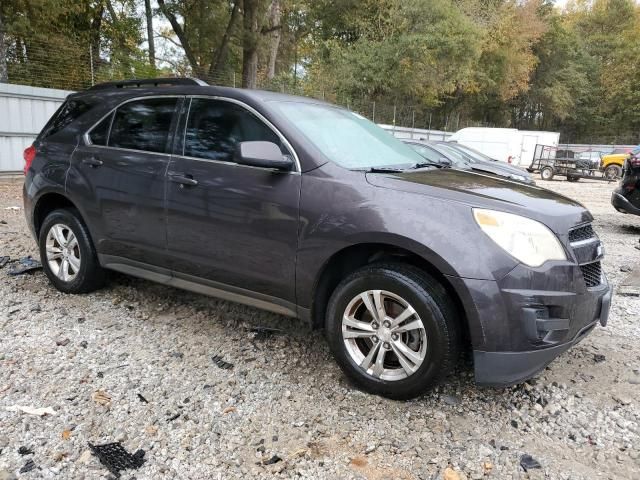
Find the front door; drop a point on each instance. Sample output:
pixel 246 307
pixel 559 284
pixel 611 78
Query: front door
pixel 227 223
pixel 123 169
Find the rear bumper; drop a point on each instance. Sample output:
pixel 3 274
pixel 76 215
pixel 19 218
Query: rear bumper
pixel 623 205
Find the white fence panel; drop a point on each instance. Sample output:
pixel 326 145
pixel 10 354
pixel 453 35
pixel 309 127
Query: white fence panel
pixel 23 112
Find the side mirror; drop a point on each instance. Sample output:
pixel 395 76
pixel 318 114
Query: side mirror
pixel 262 154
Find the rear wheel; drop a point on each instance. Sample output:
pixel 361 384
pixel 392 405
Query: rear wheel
pixel 571 178
pixel 613 172
pixel 546 173
pixel 393 330
pixel 68 256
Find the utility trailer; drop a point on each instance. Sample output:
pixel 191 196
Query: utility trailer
pixel 573 164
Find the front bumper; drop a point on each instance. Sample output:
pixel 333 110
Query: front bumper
pixel 508 368
pixel 623 205
pixel 523 322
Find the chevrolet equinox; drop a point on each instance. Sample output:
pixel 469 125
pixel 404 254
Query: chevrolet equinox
pixel 306 209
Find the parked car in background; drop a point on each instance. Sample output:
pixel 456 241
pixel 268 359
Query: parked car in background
pixel 612 164
pixel 306 209
pixel 464 158
pixel 626 198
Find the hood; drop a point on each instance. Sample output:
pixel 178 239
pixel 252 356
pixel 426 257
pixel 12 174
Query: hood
pixel 502 169
pixel 485 191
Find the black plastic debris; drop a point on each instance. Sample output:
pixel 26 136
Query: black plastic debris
pixel 24 265
pixel 142 399
pixel 174 417
pixel 219 361
pixel 30 465
pixel 527 462
pixel 25 451
pixel 4 261
pixel 599 358
pixel 263 333
pixel 115 458
pixel 270 461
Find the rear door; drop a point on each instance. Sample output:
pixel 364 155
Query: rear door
pixel 227 223
pixel 122 166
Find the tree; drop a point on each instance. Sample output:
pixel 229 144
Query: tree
pixel 148 13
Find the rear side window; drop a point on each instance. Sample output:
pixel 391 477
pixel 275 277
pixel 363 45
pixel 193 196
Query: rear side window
pixel 142 124
pixel 69 111
pixel 215 127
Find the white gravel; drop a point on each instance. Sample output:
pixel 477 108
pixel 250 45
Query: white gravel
pixel 285 396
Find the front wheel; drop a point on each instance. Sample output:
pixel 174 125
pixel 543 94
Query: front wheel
pixel 613 172
pixel 393 330
pixel 68 256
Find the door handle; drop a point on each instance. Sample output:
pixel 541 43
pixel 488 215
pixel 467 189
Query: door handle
pixel 92 162
pixel 184 180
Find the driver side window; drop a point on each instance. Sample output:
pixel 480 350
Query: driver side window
pixel 215 127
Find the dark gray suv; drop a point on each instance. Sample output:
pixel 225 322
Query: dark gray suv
pixel 299 207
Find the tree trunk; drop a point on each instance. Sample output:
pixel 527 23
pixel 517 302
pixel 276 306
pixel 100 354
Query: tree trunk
pixel 152 46
pixel 221 55
pixel 275 15
pixel 4 74
pixel 250 44
pixel 184 41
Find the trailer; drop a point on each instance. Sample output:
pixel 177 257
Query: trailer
pixel 574 164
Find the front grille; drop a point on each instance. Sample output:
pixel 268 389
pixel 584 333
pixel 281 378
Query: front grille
pixel 592 273
pixel 581 233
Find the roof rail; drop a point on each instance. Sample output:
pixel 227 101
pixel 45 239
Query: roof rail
pixel 149 82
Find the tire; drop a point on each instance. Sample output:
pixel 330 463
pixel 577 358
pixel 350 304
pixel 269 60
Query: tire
pixel 547 173
pixel 437 341
pixel 613 172
pixel 571 178
pixel 83 273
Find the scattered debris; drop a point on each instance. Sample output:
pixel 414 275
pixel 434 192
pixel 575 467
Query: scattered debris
pixel 31 410
pixel 359 462
pixel 12 208
pixel 30 465
pixel 66 434
pixel 487 467
pixel 59 456
pixel 115 458
pixel 85 457
pixel 62 342
pixel 626 268
pixel 25 451
pixel 229 410
pixel 24 265
pixel 84 344
pixel 152 430
pixel 514 424
pixel 3 222
pixel 4 260
pixel 370 448
pixel 101 397
pixel 171 419
pixel 527 462
pixel 270 461
pixel 218 360
pixel 451 400
pixel 179 355
pixel 142 399
pixel 598 358
pixel 262 333
pixel 450 474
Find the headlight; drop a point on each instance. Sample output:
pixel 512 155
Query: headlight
pixel 530 242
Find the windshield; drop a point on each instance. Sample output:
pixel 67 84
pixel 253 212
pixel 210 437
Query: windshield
pixel 347 138
pixel 452 154
pixel 475 154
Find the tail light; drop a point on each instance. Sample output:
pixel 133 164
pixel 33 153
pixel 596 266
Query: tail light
pixel 634 161
pixel 29 154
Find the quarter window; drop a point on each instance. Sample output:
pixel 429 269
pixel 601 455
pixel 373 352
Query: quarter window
pixel 143 124
pixel 100 132
pixel 215 127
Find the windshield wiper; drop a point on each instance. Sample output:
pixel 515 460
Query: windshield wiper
pixel 429 164
pixel 385 170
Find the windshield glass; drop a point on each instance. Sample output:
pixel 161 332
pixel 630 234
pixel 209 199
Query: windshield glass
pixel 347 138
pixel 454 155
pixel 475 154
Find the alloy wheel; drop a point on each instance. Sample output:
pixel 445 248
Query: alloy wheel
pixel 63 252
pixel 384 335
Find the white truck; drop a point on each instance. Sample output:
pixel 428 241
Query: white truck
pixel 506 144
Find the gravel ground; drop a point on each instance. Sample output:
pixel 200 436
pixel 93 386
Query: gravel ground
pixel 94 358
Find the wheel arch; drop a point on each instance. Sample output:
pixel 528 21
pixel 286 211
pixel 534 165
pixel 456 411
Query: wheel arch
pixel 47 203
pixel 350 258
